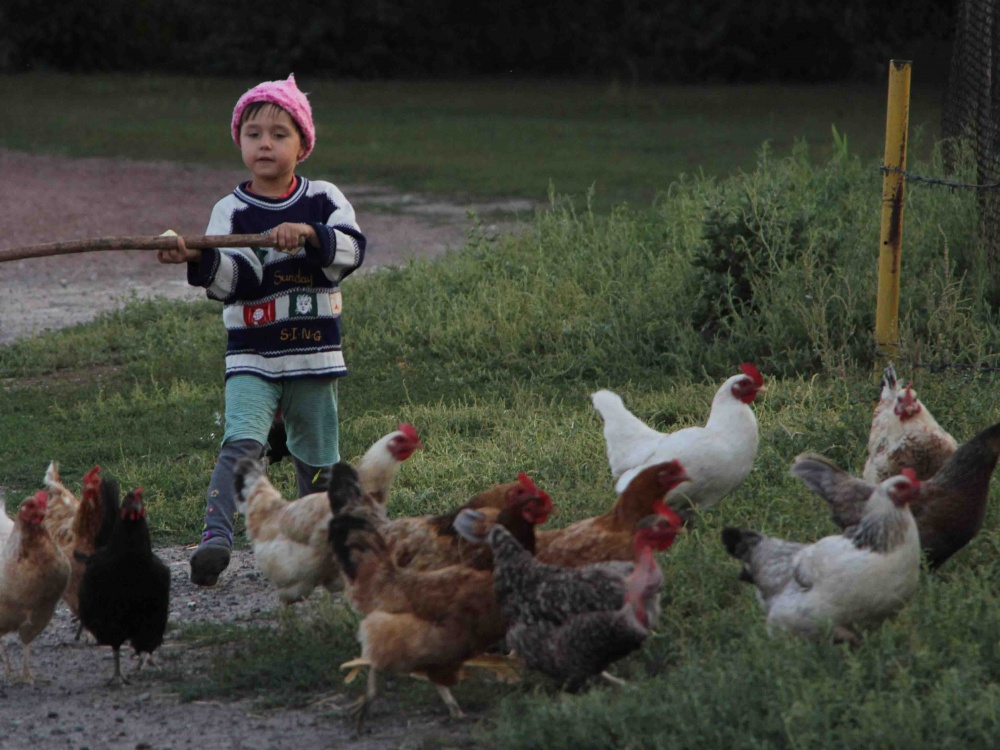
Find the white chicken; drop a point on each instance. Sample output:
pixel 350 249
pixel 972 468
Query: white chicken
pixel 380 464
pixel 290 538
pixel 904 434
pixel 6 524
pixel 844 582
pixel 717 457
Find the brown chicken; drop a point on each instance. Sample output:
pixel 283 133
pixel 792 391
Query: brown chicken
pixel 33 575
pixel 430 542
pixel 572 623
pixel 81 533
pixel 949 509
pixel 904 434
pixel 610 536
pixel 421 622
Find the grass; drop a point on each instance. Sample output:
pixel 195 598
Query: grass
pixel 471 139
pixel 491 353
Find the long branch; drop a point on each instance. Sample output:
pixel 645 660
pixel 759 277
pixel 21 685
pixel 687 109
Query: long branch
pixel 135 243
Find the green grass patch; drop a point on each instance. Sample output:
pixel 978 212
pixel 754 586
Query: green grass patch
pixel 492 351
pixel 471 138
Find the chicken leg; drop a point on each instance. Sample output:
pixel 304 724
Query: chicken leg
pixel 117 679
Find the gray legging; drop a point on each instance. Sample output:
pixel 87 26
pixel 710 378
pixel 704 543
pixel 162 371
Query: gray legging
pixel 220 506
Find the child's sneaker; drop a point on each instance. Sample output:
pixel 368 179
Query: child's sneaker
pixel 210 559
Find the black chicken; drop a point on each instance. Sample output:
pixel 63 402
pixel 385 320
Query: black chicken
pixel 125 591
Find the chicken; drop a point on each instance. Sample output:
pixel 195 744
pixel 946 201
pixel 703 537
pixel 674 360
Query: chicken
pixel 6 524
pixel 841 583
pixel 430 542
pixel 33 575
pixel 423 622
pixel 289 539
pixel 572 623
pixel 380 463
pixel 125 591
pixel 949 509
pixel 61 505
pixel 717 457
pixel 80 532
pixel 904 434
pixel 610 536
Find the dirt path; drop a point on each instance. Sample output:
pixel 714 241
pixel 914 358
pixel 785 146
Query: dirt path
pixel 48 199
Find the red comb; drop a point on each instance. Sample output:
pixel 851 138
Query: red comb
pixel 665 511
pixel 409 431
pixel 748 369
pixel 911 475
pixel 525 481
pixel 92 476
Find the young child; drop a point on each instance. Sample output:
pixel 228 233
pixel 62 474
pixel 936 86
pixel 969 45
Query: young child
pixel 281 305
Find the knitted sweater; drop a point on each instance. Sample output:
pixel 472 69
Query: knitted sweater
pixel 282 312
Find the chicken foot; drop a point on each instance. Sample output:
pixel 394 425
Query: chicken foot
pixel 26 675
pixel 616 681
pixel 6 661
pixel 454 710
pixel 359 708
pixel 117 679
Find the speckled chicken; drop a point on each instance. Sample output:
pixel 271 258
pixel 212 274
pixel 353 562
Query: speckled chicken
pixel 949 508
pixel 572 623
pixel 904 434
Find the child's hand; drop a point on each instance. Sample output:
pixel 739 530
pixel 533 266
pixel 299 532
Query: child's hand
pixel 179 254
pixel 289 237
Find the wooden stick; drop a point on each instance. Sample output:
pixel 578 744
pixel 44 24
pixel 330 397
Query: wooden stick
pixel 135 243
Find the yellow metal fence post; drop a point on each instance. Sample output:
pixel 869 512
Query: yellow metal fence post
pixel 891 235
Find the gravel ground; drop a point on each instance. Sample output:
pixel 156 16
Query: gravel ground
pixel 49 199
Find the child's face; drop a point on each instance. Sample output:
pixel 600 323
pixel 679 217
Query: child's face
pixel 271 145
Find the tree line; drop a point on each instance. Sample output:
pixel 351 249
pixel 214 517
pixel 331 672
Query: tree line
pixel 672 41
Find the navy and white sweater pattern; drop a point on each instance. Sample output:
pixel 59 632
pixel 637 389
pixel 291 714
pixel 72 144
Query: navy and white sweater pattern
pixel 281 311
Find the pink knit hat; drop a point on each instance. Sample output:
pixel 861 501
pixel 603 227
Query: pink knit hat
pixel 286 95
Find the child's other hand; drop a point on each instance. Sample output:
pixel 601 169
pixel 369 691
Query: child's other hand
pixel 289 237
pixel 179 254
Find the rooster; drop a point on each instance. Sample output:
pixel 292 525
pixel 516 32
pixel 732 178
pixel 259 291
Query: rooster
pixel 717 457
pixel 904 434
pixel 949 509
pixel 572 623
pixel 840 582
pixel 33 575
pixel 423 622
pixel 610 536
pixel 125 591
